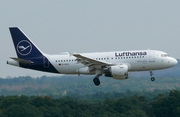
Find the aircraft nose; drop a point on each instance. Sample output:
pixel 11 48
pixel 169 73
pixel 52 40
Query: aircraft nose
pixel 174 61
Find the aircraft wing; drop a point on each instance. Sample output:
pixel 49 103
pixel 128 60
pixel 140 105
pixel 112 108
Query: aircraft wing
pixel 89 61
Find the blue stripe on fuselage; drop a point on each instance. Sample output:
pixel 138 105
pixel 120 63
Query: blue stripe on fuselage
pixel 38 64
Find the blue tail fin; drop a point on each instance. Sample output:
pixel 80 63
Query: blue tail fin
pixel 23 46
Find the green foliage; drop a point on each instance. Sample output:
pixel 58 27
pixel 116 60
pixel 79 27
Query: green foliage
pixel 167 106
pixel 83 86
pixel 130 106
pixel 22 110
pixel 79 97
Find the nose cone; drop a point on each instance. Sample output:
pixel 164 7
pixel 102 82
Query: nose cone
pixel 174 62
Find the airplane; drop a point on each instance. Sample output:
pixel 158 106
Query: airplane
pixel 114 64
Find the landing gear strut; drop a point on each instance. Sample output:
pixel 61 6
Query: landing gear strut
pixel 96 79
pixel 152 78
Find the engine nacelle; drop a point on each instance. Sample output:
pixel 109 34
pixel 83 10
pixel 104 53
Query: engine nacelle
pixel 117 72
pixel 83 70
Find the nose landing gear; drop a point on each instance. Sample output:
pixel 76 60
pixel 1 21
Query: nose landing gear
pixel 152 78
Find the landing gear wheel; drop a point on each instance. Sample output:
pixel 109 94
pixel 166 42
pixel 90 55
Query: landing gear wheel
pixel 152 79
pixel 96 81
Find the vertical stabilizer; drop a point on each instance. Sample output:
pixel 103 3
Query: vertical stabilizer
pixel 24 47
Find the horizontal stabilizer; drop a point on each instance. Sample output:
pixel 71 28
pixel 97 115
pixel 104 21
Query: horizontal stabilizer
pixel 21 60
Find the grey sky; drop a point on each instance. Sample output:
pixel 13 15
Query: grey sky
pixel 86 26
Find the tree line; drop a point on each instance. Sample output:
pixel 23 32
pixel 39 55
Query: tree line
pixel 82 85
pixel 132 106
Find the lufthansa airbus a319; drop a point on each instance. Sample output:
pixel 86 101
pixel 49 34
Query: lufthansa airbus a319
pixel 115 64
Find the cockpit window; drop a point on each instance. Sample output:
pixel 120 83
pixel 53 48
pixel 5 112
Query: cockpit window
pixel 164 55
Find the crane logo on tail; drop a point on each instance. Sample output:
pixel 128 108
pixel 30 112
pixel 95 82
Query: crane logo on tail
pixel 24 47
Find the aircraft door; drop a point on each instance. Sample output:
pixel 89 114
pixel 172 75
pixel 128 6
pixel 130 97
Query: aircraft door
pixel 151 56
pixel 45 62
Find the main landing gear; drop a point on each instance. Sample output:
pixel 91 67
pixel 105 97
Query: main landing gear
pixel 152 78
pixel 96 79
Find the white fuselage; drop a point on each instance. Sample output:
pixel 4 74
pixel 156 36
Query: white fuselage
pixel 152 60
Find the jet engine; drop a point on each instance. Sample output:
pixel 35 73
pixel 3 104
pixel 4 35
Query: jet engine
pixel 117 72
